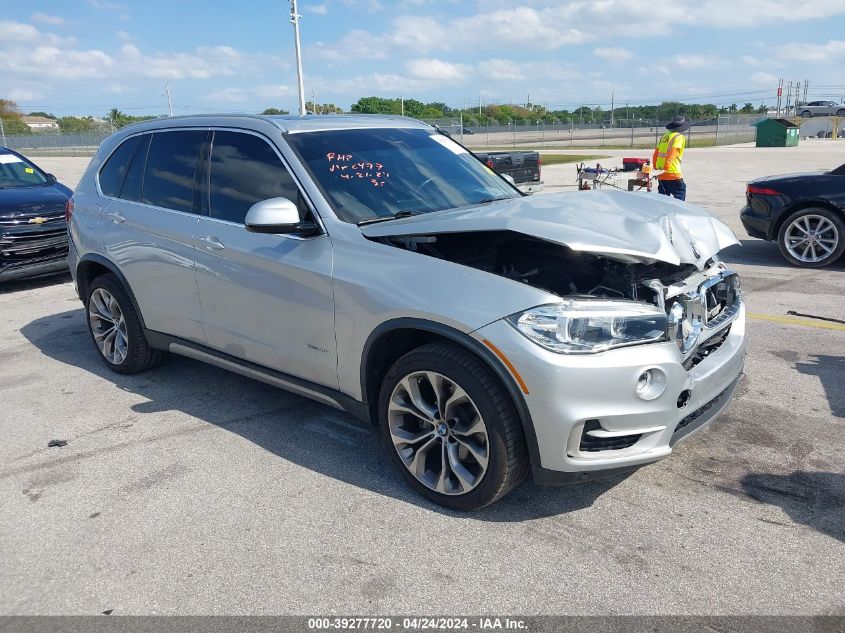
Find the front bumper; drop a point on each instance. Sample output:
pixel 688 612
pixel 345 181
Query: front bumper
pixel 571 395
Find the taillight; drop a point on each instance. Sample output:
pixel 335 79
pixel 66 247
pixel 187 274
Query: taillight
pixel 539 165
pixel 762 191
pixel 68 210
pixel 490 164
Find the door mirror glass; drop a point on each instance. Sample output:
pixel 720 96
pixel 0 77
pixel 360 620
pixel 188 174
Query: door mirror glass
pixel 279 216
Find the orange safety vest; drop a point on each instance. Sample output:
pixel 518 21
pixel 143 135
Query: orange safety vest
pixel 671 167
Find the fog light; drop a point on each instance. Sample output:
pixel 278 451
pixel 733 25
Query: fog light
pixel 650 384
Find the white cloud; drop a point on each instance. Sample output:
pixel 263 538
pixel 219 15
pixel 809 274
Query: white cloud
pixel 833 50
pixel 23 94
pixel 697 62
pixel 764 78
pixel 613 53
pixel 437 70
pixel 45 18
pixel 242 95
pixel 318 9
pixel 501 70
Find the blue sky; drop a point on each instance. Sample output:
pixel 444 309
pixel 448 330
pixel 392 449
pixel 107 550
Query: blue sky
pixel 86 56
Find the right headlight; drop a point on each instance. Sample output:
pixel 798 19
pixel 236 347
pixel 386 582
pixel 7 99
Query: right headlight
pixel 585 326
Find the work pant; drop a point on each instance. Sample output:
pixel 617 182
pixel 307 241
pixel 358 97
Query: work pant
pixel 676 188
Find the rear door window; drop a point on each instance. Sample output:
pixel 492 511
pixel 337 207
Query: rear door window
pixel 244 169
pixel 170 173
pixel 114 171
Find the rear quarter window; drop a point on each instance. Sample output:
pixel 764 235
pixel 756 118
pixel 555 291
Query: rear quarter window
pixel 114 171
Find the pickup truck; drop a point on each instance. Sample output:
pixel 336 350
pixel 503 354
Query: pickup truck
pixel 523 167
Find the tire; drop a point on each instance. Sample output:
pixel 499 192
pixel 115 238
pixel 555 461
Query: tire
pixel 840 112
pixel 467 483
pixel 824 247
pixel 115 328
pixel 806 114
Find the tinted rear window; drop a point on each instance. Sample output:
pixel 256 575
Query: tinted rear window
pixel 114 171
pixel 171 169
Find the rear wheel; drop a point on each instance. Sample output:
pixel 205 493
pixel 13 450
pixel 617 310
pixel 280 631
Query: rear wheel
pixel 450 428
pixel 840 112
pixel 812 238
pixel 115 328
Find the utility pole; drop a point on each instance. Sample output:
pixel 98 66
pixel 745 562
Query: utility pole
pixel 479 105
pixel 2 131
pixel 313 102
pixel 611 107
pixel 294 19
pixel 167 94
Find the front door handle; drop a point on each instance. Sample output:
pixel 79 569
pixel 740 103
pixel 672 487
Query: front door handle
pixel 212 242
pixel 117 218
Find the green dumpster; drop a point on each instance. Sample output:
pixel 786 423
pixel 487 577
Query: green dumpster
pixel 776 133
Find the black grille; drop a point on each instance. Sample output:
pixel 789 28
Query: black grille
pixel 23 243
pixel 591 444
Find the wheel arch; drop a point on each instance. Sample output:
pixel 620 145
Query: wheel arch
pixel 394 338
pixel 92 266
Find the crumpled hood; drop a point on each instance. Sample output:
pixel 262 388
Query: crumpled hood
pixel 631 227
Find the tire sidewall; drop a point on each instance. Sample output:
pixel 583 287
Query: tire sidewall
pixel 115 289
pixel 830 215
pixel 491 484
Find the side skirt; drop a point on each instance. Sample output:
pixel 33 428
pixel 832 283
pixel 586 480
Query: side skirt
pixel 299 386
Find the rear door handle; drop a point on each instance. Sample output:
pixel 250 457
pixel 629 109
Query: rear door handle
pixel 117 218
pixel 212 242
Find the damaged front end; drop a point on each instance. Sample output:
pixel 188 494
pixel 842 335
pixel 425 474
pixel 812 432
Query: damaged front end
pixel 608 301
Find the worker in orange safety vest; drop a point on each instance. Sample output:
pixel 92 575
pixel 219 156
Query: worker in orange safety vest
pixel 667 158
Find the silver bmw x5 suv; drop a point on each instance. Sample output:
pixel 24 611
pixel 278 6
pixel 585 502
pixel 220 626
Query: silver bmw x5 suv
pixel 377 266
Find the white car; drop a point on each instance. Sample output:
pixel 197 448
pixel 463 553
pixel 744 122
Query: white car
pixel 821 108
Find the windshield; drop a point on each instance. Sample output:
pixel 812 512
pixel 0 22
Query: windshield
pixel 16 172
pixel 375 173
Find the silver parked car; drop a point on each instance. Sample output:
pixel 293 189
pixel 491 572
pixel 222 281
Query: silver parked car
pixel 820 108
pixel 377 266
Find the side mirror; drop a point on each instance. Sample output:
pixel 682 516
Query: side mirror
pixel 278 216
pixel 52 179
pixel 509 178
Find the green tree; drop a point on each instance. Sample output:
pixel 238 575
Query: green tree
pixel 275 111
pixel 14 126
pixel 748 108
pixel 43 114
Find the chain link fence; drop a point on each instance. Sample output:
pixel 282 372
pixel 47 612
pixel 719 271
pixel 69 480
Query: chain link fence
pixel 56 143
pixel 637 133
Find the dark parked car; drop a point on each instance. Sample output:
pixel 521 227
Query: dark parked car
pixel 805 213
pixel 33 228
pixel 522 167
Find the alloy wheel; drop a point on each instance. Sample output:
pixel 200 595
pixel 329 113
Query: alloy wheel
pixel 438 432
pixel 108 326
pixel 811 238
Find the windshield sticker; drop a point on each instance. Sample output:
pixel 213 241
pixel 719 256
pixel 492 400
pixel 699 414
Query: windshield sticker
pixel 29 170
pixel 449 144
pixel 352 169
pixel 9 158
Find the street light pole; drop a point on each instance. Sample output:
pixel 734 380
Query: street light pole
pixel 294 19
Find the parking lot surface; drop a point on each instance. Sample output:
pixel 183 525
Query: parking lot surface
pixel 190 490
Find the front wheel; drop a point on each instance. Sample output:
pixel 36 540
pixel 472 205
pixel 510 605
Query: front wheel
pixel 840 112
pixel 450 427
pixel 812 238
pixel 806 114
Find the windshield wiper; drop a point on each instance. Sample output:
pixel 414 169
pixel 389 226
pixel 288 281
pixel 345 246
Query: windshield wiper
pixel 487 200
pixel 396 216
